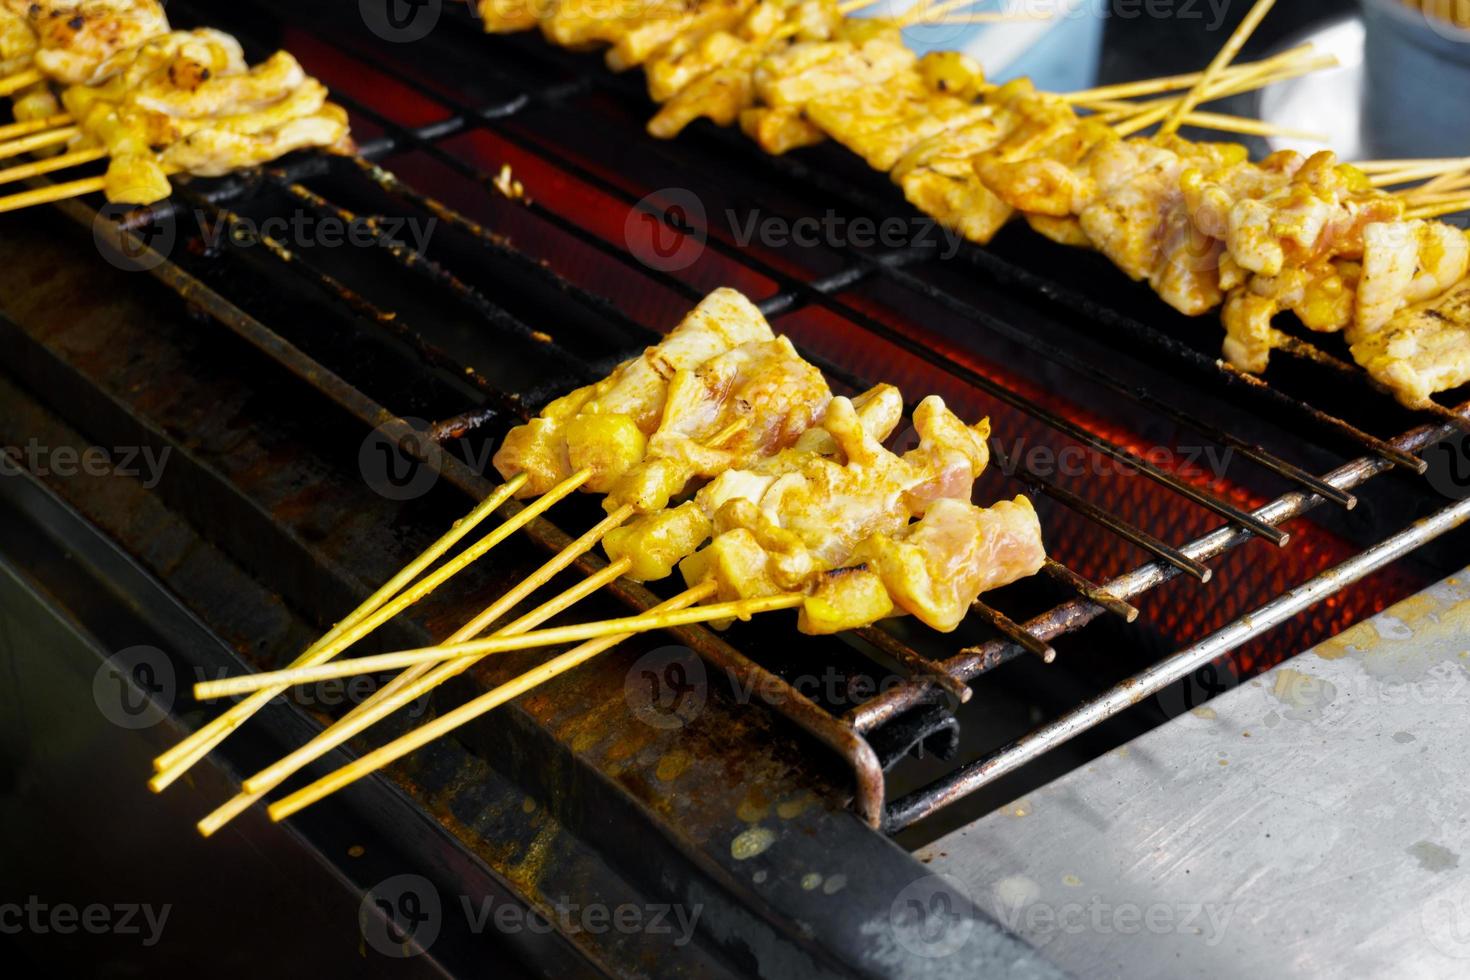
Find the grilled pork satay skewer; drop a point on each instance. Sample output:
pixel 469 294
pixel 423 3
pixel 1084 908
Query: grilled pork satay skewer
pixel 413 682
pixel 831 512
pixel 66 40
pixel 514 688
pixel 186 102
pixel 763 384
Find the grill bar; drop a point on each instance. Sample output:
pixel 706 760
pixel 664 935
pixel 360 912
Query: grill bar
pixel 1014 632
pixel 1094 593
pixel 1173 669
pixel 441 277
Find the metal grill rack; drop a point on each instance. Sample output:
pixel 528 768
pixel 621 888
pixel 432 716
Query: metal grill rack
pixel 872 735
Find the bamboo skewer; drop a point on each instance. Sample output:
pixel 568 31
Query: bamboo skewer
pixel 1440 210
pixel 52 192
pixel 178 759
pixel 469 711
pixel 1111 111
pixel 737 609
pixel 37 141
pixel 28 126
pixel 1448 182
pixel 1410 173
pixel 1441 164
pixel 1221 61
pixel 1258 77
pixel 405 687
pixel 21 79
pixel 1159 86
pixel 10 175
pixel 413 682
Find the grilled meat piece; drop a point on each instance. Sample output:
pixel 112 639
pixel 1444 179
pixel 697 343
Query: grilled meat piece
pixel 636 389
pixel 187 102
pixel 74 37
pixel 1423 349
pixel 936 567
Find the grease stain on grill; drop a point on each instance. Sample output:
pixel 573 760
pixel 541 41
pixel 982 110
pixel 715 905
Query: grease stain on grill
pixel 673 765
pixel 795 807
pixel 752 843
pixel 755 807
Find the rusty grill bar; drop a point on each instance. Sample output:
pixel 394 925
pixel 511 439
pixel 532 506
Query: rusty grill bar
pixel 928 682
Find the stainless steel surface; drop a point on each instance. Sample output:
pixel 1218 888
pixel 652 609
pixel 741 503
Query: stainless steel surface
pixel 1310 822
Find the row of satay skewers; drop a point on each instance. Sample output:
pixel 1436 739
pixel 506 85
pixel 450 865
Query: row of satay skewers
pixel 1205 226
pixel 96 80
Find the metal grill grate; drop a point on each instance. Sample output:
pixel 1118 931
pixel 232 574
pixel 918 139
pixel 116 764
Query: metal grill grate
pixel 435 127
